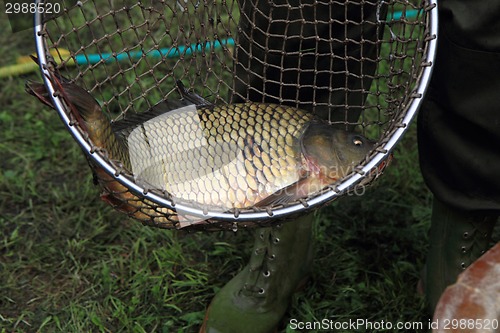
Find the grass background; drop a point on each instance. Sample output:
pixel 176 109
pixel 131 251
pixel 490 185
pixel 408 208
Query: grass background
pixel 69 263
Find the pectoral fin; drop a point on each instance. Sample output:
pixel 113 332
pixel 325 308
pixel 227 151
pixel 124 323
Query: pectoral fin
pixel 287 194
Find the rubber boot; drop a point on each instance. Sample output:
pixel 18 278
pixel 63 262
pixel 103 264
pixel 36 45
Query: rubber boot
pixel 457 238
pixel 256 299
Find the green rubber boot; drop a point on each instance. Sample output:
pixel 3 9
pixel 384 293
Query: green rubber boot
pixel 256 299
pixel 457 238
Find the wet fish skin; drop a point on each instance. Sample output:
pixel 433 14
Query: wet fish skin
pixel 229 156
pixel 244 155
pixel 241 155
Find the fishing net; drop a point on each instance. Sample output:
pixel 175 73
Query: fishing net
pixel 360 65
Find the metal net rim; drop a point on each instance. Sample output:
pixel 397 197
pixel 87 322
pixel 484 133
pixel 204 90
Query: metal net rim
pixel 362 172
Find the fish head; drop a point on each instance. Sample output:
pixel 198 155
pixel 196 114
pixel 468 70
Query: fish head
pixel 331 152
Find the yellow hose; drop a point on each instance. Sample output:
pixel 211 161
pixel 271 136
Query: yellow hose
pixel 26 65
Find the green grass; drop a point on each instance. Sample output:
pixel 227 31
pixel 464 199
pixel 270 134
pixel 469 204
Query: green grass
pixel 69 263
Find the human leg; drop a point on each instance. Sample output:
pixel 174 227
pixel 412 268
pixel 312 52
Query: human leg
pixel 457 238
pixel 459 136
pixel 256 299
pixel 315 65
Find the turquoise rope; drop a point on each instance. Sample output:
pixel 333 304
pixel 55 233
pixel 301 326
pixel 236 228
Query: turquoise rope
pixel 412 13
pixel 173 52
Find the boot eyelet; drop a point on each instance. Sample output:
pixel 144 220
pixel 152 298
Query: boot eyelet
pixel 463 265
pixel 267 274
pixel 276 240
pixel 271 257
pixel 464 249
pixel 466 235
pixel 262 291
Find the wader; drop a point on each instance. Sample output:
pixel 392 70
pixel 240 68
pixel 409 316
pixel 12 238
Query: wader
pixel 459 139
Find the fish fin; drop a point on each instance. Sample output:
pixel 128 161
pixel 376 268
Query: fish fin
pixel 79 100
pixel 81 103
pixel 285 195
pixel 124 126
pixel 78 96
pixel 38 90
pixel 191 96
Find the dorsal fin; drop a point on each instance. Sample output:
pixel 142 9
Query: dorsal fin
pixel 124 126
pixel 192 96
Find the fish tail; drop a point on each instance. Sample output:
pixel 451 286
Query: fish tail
pixel 87 112
pixel 38 90
pixel 92 120
pixel 83 106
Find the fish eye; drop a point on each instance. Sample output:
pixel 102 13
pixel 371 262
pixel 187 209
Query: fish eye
pixel 357 141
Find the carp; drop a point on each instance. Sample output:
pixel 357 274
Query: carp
pixel 227 156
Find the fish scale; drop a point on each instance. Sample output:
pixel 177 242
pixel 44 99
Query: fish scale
pixel 209 150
